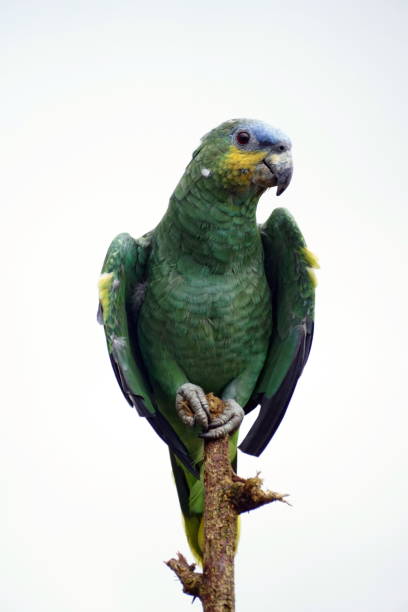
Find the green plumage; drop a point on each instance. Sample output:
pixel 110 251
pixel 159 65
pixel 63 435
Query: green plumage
pixel 212 299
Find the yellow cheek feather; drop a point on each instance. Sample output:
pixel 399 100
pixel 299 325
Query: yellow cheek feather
pixel 238 166
pixel 104 287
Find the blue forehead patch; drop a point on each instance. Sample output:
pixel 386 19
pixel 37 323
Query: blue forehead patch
pixel 266 135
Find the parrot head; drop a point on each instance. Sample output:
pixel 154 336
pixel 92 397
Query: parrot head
pixel 246 154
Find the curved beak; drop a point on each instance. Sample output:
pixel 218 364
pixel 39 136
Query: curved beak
pixel 280 164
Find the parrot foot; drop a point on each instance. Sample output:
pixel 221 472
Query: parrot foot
pixel 192 406
pixel 227 422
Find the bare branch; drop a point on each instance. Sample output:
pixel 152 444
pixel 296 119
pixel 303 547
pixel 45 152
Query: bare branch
pixel 190 579
pixel 226 496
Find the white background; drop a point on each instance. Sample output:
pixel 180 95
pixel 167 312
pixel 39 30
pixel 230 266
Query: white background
pixel 102 104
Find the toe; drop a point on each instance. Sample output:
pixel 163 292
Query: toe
pixel 194 396
pixel 228 422
pixel 215 434
pixel 200 414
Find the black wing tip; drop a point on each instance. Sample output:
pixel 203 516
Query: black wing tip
pixel 249 449
pixel 165 431
pixel 253 402
pixel 156 420
pixel 99 314
pixel 121 380
pixel 138 403
pixel 273 408
pixel 265 428
pixel 135 401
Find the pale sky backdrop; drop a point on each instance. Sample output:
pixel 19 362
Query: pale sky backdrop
pixel 102 104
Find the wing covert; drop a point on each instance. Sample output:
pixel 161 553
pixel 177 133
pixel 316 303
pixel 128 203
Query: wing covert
pixel 289 270
pixel 121 292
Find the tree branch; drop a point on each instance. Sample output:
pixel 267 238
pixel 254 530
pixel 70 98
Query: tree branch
pixel 226 496
pixel 190 579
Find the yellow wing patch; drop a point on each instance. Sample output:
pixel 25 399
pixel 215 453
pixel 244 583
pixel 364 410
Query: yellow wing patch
pixel 313 262
pixel 104 287
pixel 311 258
pixel 312 276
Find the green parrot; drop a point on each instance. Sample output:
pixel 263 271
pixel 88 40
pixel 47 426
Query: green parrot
pixel 211 302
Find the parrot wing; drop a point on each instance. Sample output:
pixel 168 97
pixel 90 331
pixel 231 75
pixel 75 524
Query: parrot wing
pixel 288 267
pixel 121 292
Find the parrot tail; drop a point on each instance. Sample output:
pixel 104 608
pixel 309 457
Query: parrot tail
pixel 190 492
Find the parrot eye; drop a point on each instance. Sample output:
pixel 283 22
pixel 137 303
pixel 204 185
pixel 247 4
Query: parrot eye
pixel 243 138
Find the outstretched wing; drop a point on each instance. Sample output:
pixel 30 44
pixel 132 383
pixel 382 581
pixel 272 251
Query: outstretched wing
pixel 121 292
pixel 289 270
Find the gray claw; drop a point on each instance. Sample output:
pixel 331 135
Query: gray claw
pixel 197 402
pixel 227 422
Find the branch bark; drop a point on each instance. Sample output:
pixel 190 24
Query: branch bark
pixel 226 496
pixel 220 530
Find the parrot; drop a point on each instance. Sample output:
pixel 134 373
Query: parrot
pixel 210 301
